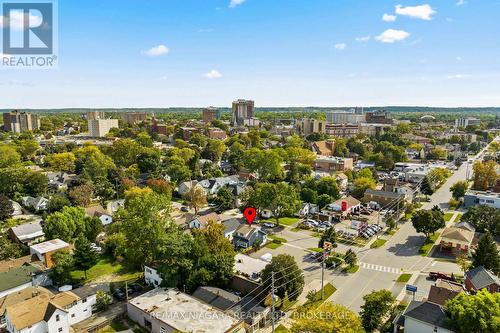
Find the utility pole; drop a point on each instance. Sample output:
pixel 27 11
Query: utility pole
pixel 126 290
pixel 272 300
pixel 323 274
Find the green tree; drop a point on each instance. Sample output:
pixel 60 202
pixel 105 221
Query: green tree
pixel 235 157
pixel 458 189
pixel 124 152
pixel 361 185
pixel 324 200
pixel 6 208
pixel 62 161
pixel 103 300
pixel 427 186
pixel 214 150
pixel 144 139
pixel 27 148
pixel 58 202
pixel 84 256
pixel 93 227
pixel 149 160
pixel 224 199
pixel 144 222
pixel 8 156
pixel 377 305
pixel 160 186
pixel 328 185
pixel 351 258
pixel 35 184
pixel 8 249
pixel 61 270
pixel 285 201
pixel 328 317
pixel 308 195
pixel 287 275
pixel 484 218
pixel 67 224
pixel 474 313
pixel 427 221
pixel 92 163
pixel 330 235
pixel 486 254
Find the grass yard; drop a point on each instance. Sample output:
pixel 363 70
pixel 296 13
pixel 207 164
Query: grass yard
pixel 448 216
pixel 328 289
pixel 273 246
pixel 277 239
pixel 403 278
pixel 351 269
pixel 360 242
pixel 458 218
pixel 116 325
pixel 283 220
pixel 378 243
pixel 315 249
pixel 296 229
pixel 428 244
pixel 107 266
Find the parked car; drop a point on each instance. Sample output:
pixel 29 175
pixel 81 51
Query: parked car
pixel 136 287
pixel 269 225
pixel 184 209
pixel 119 295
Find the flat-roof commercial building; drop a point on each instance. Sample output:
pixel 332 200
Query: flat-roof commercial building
pixel 134 117
pixel 473 198
pixel 344 117
pixel 169 310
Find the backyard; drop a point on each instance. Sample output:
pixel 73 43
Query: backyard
pixel 107 269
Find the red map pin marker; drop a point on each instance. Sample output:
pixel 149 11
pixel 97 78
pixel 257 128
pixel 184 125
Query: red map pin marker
pixel 249 214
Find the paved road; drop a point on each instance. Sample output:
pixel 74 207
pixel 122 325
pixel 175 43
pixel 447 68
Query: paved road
pixel 400 251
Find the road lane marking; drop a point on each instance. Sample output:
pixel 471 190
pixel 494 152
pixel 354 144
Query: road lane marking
pixel 380 268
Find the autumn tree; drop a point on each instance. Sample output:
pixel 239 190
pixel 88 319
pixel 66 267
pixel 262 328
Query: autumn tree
pixel 195 197
pixel 485 175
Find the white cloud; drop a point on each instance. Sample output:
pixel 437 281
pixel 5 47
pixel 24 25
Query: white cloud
pixel 340 46
pixel 213 74
pixel 235 3
pixel 461 2
pixel 363 38
pixel 391 36
pixel 389 18
pixel 456 77
pixel 156 51
pixel 423 12
pixel 17 20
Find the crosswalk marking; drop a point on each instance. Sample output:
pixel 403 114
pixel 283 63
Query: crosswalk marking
pixel 380 268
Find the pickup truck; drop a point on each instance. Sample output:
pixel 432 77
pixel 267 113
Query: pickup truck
pixel 442 276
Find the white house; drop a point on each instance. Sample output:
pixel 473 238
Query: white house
pixel 101 213
pixel 38 203
pixel 47 313
pixel 423 317
pixel 152 276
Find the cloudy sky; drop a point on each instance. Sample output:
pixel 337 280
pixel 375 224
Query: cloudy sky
pixel 163 53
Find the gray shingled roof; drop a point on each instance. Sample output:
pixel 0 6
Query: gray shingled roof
pixel 216 297
pixel 427 312
pixel 481 277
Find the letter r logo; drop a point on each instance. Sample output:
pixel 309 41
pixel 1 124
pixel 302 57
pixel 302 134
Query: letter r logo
pixel 27 28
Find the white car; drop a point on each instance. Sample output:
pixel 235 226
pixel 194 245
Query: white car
pixel 269 225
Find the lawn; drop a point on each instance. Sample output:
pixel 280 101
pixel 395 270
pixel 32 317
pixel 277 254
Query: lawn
pixel 329 289
pixel 283 220
pixel 351 269
pixel 315 249
pixel 458 218
pixel 428 244
pixel 403 278
pixel 378 243
pixel 107 266
pixel 277 239
pixel 391 232
pixel 448 216
pixel 296 229
pixel 115 326
pixel 273 246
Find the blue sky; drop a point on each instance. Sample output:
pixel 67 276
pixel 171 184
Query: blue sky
pixel 163 53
